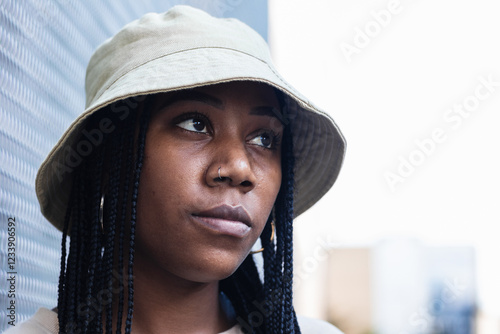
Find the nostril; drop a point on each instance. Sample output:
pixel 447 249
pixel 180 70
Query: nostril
pixel 246 183
pixel 221 179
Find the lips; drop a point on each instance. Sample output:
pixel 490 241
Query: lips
pixel 226 219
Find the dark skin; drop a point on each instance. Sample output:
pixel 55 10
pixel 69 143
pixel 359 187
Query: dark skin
pixel 181 251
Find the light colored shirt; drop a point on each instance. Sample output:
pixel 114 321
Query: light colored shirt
pixel 45 322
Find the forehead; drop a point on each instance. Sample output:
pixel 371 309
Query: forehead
pixel 250 91
pixel 247 94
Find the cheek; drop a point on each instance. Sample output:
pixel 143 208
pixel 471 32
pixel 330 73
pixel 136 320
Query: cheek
pixel 156 182
pixel 273 186
pixel 270 184
pixel 167 183
pixel 168 179
pixel 273 178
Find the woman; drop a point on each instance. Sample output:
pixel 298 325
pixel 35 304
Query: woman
pixel 191 148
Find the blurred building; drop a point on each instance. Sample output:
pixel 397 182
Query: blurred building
pixel 349 289
pixel 401 286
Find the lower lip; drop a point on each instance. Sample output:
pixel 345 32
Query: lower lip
pixel 223 226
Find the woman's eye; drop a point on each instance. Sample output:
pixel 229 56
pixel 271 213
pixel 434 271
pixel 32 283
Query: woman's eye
pixel 264 139
pixel 194 125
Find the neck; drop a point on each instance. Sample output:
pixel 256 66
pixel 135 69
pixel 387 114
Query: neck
pixel 164 303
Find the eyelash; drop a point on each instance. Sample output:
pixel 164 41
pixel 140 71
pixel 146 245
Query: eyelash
pixel 275 138
pixel 195 115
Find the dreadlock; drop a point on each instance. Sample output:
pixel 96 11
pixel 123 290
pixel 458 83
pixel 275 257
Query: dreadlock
pixel 94 276
pixel 93 270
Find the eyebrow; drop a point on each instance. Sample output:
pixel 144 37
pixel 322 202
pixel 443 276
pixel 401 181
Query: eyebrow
pixel 267 111
pixel 193 95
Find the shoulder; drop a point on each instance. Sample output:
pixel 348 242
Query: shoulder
pixel 44 321
pixel 307 326
pixel 315 326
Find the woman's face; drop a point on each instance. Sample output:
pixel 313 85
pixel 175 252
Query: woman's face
pixel 191 223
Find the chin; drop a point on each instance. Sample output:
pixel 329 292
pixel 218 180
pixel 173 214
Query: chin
pixel 215 268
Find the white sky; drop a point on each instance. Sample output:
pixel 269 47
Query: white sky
pixel 395 90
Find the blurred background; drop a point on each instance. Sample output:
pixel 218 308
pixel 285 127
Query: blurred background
pixel 405 241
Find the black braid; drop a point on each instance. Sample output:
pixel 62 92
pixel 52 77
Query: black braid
pixel 270 283
pixel 110 217
pixel 288 165
pixel 62 275
pixel 68 293
pixel 77 257
pixel 81 254
pixel 95 240
pixel 86 279
pixel 133 219
pixel 121 238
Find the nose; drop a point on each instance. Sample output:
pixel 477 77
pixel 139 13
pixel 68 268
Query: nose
pixel 232 166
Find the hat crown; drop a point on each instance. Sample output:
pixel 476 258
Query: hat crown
pixel 181 29
pixel 154 35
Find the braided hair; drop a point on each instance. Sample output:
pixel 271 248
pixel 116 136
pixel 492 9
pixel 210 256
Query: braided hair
pixel 97 271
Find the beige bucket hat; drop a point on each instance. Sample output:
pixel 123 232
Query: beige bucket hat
pixel 179 49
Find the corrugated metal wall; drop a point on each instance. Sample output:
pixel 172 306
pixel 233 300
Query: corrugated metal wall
pixel 44 50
